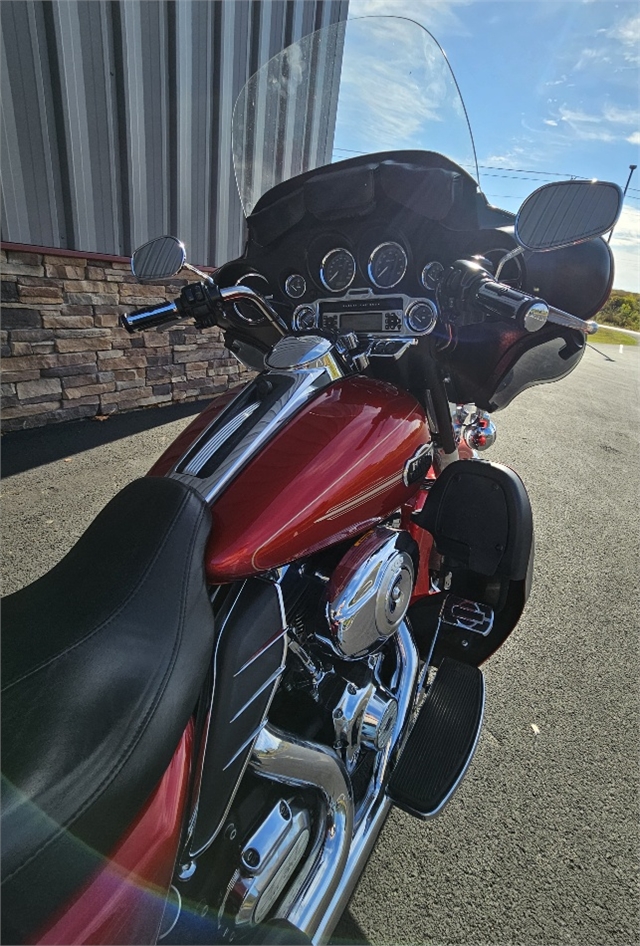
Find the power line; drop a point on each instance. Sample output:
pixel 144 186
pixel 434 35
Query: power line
pixel 493 167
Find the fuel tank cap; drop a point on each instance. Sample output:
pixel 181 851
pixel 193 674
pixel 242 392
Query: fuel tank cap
pixel 298 352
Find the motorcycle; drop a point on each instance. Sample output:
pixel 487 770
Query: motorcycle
pixel 211 704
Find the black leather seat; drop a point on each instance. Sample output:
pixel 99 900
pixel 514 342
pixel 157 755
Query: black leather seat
pixel 102 662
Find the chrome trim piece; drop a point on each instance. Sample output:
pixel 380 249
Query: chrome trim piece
pixel 371 264
pixel 295 352
pixel 274 676
pixel 417 463
pixel 243 293
pixel 305 317
pixel 203 456
pixel 465 615
pixel 245 745
pixel 323 266
pixel 306 384
pixel 178 899
pixel 263 650
pixel 239 282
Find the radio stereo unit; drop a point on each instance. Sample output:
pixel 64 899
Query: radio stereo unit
pixel 396 315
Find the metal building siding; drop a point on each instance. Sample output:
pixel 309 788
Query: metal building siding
pixel 116 117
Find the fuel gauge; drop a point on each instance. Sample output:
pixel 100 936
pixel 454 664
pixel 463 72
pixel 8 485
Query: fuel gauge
pixel 431 274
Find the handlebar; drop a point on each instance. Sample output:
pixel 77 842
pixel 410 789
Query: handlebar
pixel 201 301
pixel 467 294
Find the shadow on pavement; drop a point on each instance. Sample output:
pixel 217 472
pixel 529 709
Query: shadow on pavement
pixel 25 449
pixel 349 931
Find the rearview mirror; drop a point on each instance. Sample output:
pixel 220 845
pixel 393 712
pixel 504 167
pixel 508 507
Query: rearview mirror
pixel 159 258
pixel 567 212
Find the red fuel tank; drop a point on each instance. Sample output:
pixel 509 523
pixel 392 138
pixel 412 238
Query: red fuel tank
pixel 335 470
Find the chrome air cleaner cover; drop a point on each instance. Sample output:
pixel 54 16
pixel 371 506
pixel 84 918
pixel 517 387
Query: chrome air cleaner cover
pixel 369 592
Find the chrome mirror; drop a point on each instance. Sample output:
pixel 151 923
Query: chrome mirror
pixel 159 258
pixel 567 212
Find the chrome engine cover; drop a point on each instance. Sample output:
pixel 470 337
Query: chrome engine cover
pixel 369 592
pixel 267 862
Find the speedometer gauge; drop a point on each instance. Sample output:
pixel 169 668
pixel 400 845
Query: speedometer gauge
pixel 337 270
pixel 387 265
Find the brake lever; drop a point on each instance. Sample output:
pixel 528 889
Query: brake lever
pixel 559 317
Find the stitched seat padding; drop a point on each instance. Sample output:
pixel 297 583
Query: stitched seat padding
pixel 102 662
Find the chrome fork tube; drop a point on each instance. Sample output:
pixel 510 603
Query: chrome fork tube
pixel 292 761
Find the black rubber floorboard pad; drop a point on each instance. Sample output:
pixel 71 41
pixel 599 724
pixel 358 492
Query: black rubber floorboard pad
pixel 441 740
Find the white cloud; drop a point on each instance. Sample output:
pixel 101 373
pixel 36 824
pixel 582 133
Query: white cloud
pixel 625 244
pixel 609 125
pixel 634 139
pixel 439 16
pixel 628 34
pixel 550 121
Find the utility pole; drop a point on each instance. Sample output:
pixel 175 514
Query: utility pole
pixel 632 168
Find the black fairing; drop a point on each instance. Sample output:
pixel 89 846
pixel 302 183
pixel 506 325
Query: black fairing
pixel 480 517
pixel 103 660
pixel 434 209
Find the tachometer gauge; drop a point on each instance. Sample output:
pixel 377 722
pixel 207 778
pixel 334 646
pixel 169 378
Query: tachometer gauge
pixel 387 265
pixel 337 270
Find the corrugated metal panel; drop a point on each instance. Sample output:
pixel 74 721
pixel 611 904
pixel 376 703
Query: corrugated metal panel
pixel 116 117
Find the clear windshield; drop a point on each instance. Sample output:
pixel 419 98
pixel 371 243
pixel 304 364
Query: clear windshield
pixel 358 87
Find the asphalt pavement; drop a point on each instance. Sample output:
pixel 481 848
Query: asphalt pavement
pixel 539 846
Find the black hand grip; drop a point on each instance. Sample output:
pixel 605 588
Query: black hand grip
pixel 510 305
pixel 143 319
pixel 467 294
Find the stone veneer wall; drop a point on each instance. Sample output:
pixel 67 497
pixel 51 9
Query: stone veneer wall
pixel 64 355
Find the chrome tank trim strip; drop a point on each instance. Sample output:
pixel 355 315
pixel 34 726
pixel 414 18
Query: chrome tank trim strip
pixel 306 383
pixel 206 452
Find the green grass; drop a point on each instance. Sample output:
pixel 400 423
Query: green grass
pixel 609 336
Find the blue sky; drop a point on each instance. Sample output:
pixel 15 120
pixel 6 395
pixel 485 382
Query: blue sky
pixel 552 87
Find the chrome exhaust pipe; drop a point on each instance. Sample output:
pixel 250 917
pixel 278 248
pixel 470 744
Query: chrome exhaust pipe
pixel 341 847
pixel 288 760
